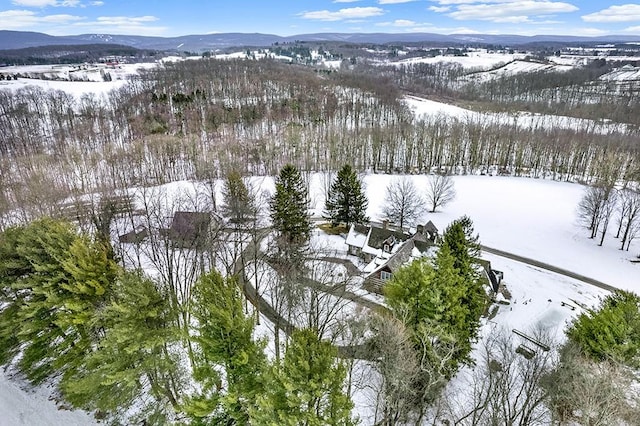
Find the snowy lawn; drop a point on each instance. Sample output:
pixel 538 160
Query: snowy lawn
pixel 25 406
pixel 535 218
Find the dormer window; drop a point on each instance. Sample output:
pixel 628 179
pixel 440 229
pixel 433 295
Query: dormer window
pixel 386 248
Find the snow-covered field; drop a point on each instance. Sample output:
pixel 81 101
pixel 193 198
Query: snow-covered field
pixel 518 67
pixel 424 107
pixel 58 78
pixel 626 73
pixel 479 59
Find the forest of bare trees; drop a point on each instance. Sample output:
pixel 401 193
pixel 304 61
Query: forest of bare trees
pixel 200 119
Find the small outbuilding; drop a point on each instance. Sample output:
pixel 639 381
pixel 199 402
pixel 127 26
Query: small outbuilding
pixel 136 236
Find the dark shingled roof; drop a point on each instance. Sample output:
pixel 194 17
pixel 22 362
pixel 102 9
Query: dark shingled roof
pixel 134 237
pixel 421 245
pixel 400 257
pixel 430 227
pixel 361 229
pixel 189 229
pixel 379 235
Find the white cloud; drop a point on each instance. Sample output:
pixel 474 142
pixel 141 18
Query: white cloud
pixel 398 23
pixel 125 20
pixel 456 2
pixel 63 24
pixel 439 9
pixel 138 25
pixel 45 3
pixel 394 1
pixel 27 19
pixel 342 14
pixel 514 10
pixel 404 23
pixel 633 30
pixel 512 20
pixel 622 13
pixel 61 19
pixel 97 3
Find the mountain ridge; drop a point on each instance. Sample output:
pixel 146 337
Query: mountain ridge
pixel 203 42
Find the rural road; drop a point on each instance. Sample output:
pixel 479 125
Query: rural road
pixel 548 267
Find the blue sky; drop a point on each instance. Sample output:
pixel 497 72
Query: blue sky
pixel 172 18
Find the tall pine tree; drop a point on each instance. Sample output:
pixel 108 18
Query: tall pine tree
pixel 53 282
pixel 464 246
pixel 459 238
pixel 346 203
pixel 306 388
pixel 289 207
pixel 238 205
pixel 228 362
pixel 138 327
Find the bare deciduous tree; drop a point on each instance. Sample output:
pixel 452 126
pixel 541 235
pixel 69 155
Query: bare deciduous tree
pixel 629 216
pixel 402 202
pixel 440 191
pixel 398 364
pixel 504 388
pixel 606 211
pixel 590 392
pixel 595 208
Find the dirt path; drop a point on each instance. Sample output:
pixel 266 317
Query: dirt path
pixel 548 267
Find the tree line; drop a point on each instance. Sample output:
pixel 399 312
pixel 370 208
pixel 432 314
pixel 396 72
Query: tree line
pixel 578 92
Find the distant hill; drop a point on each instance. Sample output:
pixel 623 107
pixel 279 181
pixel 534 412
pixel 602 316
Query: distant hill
pixel 70 54
pixel 24 39
pixel 197 43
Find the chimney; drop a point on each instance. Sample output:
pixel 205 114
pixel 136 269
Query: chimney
pixel 420 229
pixel 385 224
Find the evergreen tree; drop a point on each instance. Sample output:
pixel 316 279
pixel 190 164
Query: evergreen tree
pixel 429 298
pixel 12 267
pixel 238 206
pixel 611 332
pixel 346 203
pixel 463 245
pixel 472 240
pixel 307 388
pixel 432 294
pixel 133 354
pixel 289 207
pixel 228 362
pixel 54 282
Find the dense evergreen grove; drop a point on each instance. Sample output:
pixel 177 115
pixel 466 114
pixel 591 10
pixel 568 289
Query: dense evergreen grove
pixel 110 340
